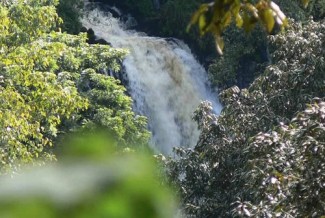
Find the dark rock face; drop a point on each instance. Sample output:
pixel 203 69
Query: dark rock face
pixel 91 36
pixel 102 42
pixel 83 29
pixel 92 39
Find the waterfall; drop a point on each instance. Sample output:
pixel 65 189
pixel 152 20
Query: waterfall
pixel 165 81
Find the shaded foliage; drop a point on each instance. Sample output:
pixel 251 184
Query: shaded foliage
pixel 247 54
pixel 173 19
pixel 263 155
pixel 70 12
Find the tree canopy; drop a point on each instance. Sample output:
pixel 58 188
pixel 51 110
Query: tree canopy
pixel 263 156
pixel 52 83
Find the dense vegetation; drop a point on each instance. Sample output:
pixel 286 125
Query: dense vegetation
pixel 264 155
pixel 53 83
pixel 70 12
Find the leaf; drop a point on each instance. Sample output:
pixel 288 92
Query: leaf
pixel 279 15
pixel 202 24
pixel 248 22
pixel 305 3
pixel 268 19
pixel 246 212
pixel 252 9
pixel 239 21
pixel 196 16
pixel 219 44
pixel 226 20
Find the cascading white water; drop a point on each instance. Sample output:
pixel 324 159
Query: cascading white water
pixel 165 81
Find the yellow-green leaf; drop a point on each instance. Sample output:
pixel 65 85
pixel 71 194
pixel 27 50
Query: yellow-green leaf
pixel 203 8
pixel 239 21
pixel 226 20
pixel 202 24
pixel 268 19
pixel 305 3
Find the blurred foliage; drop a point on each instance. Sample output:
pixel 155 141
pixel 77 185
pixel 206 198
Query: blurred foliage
pixel 216 16
pixel 100 182
pixel 263 156
pixel 52 83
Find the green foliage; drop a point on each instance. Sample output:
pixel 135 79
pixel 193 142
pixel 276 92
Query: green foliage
pixel 92 181
pixel 247 54
pixel 176 13
pixel 289 162
pixel 316 8
pixel 294 9
pixel 216 16
pixel 263 156
pixel 111 109
pixel 243 60
pixel 33 102
pixel 143 7
pixel 51 84
pixel 22 23
pixel 173 20
pixel 70 12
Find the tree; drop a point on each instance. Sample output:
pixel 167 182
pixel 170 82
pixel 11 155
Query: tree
pixel 53 82
pixel 263 155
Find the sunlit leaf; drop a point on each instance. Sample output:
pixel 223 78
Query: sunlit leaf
pixel 268 19
pixel 219 44
pixel 202 24
pixel 195 17
pixel 305 3
pixel 226 20
pixel 239 21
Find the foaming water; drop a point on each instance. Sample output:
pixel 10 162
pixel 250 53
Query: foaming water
pixel 165 81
